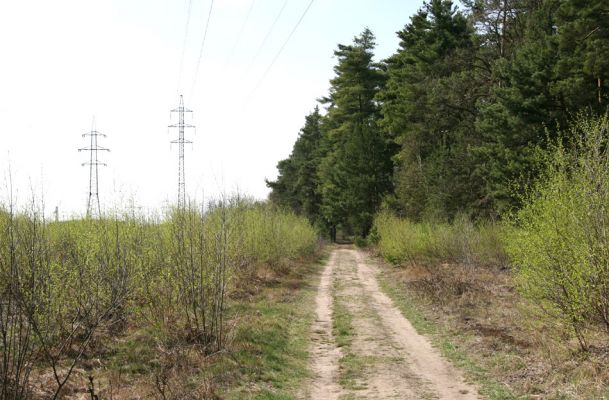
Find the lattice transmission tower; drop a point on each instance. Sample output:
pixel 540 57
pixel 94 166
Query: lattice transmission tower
pixel 93 205
pixel 180 141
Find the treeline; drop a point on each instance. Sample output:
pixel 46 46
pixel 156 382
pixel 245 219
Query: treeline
pixel 453 122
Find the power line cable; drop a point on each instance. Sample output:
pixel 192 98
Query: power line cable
pixel 184 47
pixel 280 50
pixel 240 34
pixel 268 34
pixel 194 82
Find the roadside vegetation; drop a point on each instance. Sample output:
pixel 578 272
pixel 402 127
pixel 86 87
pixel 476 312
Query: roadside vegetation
pixel 522 302
pixel 463 159
pixel 475 158
pixel 560 243
pixel 121 305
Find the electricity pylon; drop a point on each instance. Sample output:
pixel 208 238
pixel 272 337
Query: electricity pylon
pixel 93 205
pixel 180 141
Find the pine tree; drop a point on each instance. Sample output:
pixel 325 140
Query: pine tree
pixel 297 181
pixel 583 28
pixel 552 74
pixel 355 173
pixel 429 108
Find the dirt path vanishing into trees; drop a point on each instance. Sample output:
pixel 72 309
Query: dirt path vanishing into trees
pixel 380 356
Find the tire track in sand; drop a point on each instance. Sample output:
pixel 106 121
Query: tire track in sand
pixel 396 362
pixel 325 354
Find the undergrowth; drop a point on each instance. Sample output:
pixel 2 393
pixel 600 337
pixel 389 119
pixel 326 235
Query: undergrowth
pixel 401 241
pixel 139 301
pixel 456 283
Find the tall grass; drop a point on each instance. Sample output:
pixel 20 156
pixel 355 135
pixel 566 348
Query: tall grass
pixel 63 283
pixel 401 241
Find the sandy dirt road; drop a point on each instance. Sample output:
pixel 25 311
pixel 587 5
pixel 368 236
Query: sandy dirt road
pixel 385 358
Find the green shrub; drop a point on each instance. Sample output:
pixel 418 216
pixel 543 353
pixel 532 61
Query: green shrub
pixel 61 282
pixel 559 240
pixel 271 235
pixel 360 242
pixel 400 241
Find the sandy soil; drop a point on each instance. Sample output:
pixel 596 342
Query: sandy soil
pixel 392 361
pixel 325 354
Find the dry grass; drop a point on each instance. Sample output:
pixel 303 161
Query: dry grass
pixel 478 311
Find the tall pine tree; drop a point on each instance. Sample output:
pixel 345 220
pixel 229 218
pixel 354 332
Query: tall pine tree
pixel 297 182
pixel 355 173
pixel 429 108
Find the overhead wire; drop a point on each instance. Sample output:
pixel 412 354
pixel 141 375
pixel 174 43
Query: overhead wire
pixel 240 34
pixel 184 47
pixel 194 82
pixel 268 33
pixel 268 69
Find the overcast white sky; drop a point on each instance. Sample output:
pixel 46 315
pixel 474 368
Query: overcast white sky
pixel 64 61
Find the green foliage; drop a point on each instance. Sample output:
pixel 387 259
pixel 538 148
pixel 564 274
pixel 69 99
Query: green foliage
pixel 197 256
pixel 296 186
pixel 584 47
pixel 428 109
pixel 59 284
pixel 513 124
pixel 356 170
pixel 452 122
pixel 271 237
pixel 62 282
pixel 360 242
pixel 340 167
pixel 559 240
pixel 401 241
pixel 541 82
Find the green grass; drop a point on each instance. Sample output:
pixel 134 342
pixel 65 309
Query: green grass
pixel 352 369
pixel 134 354
pixel 342 320
pixel 351 366
pixel 270 360
pixel 447 342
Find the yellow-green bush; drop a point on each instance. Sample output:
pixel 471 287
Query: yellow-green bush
pixel 271 235
pixel 60 281
pixel 400 241
pixel 559 240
